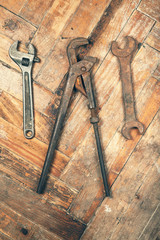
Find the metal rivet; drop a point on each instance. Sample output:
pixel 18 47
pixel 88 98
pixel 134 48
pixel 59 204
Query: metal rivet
pixel 83 69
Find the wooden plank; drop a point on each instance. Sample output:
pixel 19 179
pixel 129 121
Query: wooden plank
pixel 4 237
pixel 134 220
pixel 13 5
pixel 34 11
pixel 52 25
pixel 32 207
pixel 85 19
pixel 49 74
pixel 33 150
pixel 117 152
pixel 56 191
pixel 152 230
pixel 15 226
pixel 154 37
pixel 117 24
pixel 151 8
pixel 14 27
pixel 126 188
pixel 12 111
pixel 12 84
pixel 5 43
pixel 156 73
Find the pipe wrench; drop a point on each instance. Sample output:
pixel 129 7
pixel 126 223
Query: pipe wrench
pixel 80 77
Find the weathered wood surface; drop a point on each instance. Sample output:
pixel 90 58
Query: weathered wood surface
pixel 75 187
pixel 151 8
pixel 31 206
pixel 152 229
pixel 154 37
pixel 57 192
pixel 15 226
pixel 135 192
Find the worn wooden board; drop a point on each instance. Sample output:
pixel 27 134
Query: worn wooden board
pixel 151 8
pixel 13 5
pixel 12 111
pixel 56 191
pixel 34 11
pixel 154 37
pixel 18 227
pixel 34 150
pixel 31 206
pixel 14 27
pixel 52 25
pixel 75 187
pixel 152 229
pixel 132 187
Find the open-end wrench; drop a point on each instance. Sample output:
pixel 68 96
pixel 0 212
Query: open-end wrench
pixel 125 56
pixel 25 62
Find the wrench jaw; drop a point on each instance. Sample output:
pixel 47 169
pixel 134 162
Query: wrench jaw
pixel 25 62
pixel 72 58
pixel 21 57
pixel 130 125
pixel 72 46
pixel 127 50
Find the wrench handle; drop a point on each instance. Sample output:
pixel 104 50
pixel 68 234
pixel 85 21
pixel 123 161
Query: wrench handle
pixel 94 120
pixel 127 88
pixel 28 116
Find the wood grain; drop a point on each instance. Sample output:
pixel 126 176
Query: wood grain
pixel 154 37
pixel 140 210
pixel 33 150
pixel 12 84
pixel 86 18
pixel 31 206
pixel 152 229
pixel 126 189
pixel 34 11
pixel 56 191
pixel 13 225
pixel 151 8
pixel 13 5
pixel 12 111
pixel 52 25
pixel 156 73
pixel 14 27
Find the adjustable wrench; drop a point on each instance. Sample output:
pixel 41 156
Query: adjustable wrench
pixel 25 62
pixel 125 56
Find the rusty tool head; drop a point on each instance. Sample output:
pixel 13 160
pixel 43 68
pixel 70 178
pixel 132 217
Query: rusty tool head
pixel 20 58
pixel 131 125
pixel 129 48
pixel 72 46
pixel 72 58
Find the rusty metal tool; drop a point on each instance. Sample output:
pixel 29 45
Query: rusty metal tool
pixel 125 56
pixel 25 62
pixel 79 76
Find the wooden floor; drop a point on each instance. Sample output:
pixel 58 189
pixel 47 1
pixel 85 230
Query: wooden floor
pixel 73 205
